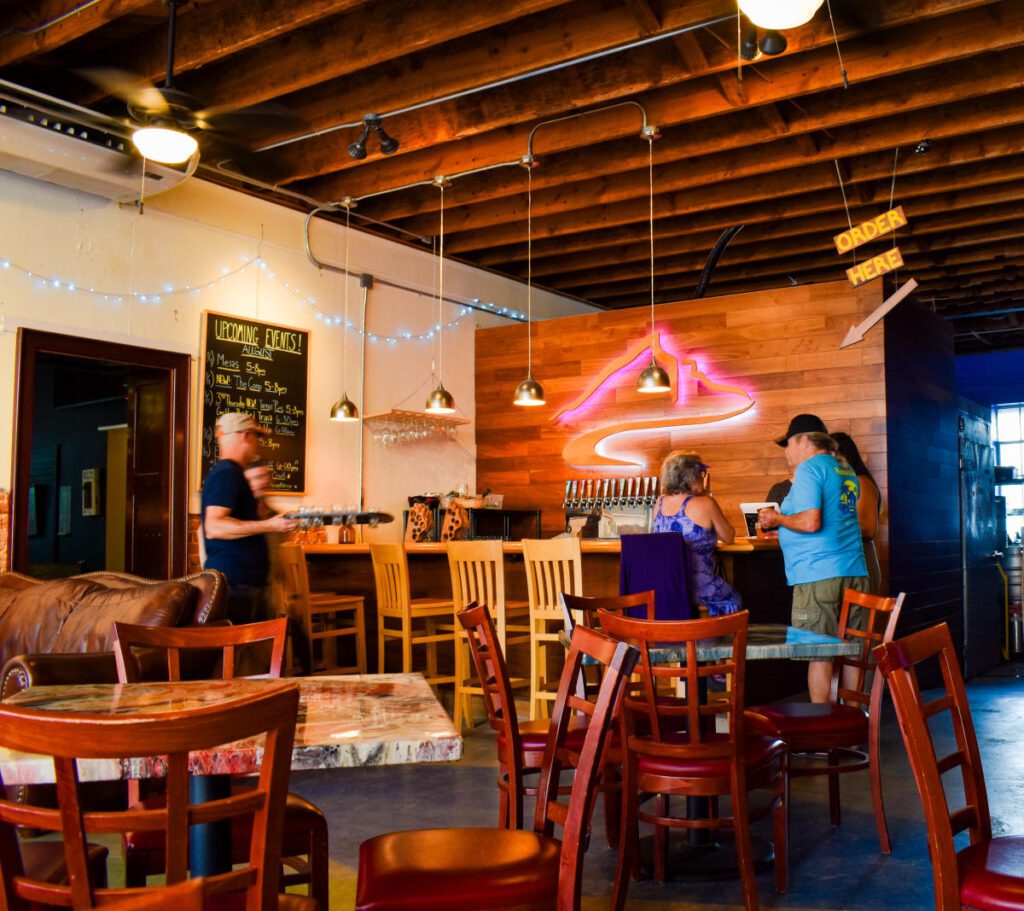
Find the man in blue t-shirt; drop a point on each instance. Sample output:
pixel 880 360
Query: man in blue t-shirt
pixel 234 521
pixel 820 537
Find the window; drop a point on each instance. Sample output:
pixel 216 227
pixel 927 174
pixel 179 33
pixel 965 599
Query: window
pixel 1008 424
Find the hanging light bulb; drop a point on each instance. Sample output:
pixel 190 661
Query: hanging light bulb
pixel 344 410
pixel 440 400
pixel 529 393
pixel 164 144
pixel 653 378
pixel 780 14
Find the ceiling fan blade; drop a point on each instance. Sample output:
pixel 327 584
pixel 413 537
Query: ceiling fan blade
pixel 227 119
pixel 133 89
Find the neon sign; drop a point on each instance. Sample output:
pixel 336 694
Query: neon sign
pixel 720 402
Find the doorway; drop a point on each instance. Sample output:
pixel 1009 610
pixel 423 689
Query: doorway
pixel 100 458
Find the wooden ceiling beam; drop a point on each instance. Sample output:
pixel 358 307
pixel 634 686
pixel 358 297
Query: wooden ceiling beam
pixel 867 101
pixel 579 28
pixel 496 128
pixel 18 46
pixel 766 244
pixel 349 43
pixel 789 256
pixel 763 187
pixel 933 212
pixel 939 123
pixel 212 31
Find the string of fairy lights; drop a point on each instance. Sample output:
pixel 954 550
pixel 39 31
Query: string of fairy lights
pixel 51 282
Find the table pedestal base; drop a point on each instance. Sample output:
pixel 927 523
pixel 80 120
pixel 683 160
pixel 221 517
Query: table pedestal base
pixel 209 845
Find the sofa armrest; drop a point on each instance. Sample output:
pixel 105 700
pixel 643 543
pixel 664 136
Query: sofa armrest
pixel 24 671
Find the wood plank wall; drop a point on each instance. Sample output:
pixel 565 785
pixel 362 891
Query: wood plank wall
pixel 781 346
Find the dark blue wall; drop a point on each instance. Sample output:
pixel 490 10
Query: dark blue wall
pixel 995 378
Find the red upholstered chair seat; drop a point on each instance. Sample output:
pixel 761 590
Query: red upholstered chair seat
pixel 301 817
pixel 757 752
pixel 455 869
pixel 992 874
pixel 534 735
pixel 807 726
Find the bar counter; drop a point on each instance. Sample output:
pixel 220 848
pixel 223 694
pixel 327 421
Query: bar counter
pixel 587 546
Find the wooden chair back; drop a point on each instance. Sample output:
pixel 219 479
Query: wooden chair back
pixel 578 609
pixel 617 660
pixel 186 896
pixel 499 701
pixel 176 640
pixel 553 566
pixel 478 577
pixel 294 577
pixel 898 662
pixel 882 615
pixel 165 739
pixel 690 718
pixel 391 577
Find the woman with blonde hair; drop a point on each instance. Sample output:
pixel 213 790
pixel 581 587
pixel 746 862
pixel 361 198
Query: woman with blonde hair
pixel 686 506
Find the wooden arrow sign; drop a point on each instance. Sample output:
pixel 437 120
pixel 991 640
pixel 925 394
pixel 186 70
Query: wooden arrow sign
pixel 856 333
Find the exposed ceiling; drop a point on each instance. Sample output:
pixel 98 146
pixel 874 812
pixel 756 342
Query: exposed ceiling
pixel 762 153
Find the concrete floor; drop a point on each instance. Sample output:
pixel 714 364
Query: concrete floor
pixel 829 868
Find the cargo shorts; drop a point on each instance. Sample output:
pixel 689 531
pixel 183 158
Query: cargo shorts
pixel 816 605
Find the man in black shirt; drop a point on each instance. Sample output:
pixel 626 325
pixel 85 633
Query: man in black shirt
pixel 233 523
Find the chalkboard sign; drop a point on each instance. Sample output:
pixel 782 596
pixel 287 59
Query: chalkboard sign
pixel 262 370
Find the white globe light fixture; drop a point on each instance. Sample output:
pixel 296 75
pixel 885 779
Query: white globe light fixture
pixel 164 145
pixel 777 15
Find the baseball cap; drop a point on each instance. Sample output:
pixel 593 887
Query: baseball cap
pixel 238 422
pixel 802 423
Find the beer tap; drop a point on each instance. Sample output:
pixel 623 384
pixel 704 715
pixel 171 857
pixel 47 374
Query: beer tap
pixel 572 494
pixel 654 489
pixel 565 499
pixel 605 498
pixel 629 492
pixel 645 497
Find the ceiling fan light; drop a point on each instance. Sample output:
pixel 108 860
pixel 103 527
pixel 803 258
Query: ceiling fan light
pixel 529 393
pixel 779 14
pixel 165 145
pixel 440 401
pixel 653 379
pixel 344 410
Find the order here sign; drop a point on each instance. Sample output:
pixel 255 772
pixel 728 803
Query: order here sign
pixel 874 267
pixel 869 230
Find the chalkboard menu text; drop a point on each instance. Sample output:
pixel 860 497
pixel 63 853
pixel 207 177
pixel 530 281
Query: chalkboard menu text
pixel 262 370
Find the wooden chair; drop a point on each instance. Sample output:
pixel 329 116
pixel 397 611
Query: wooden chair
pixel 552 567
pixel 478 576
pixel 169 737
pixel 843 726
pixel 490 869
pixel 320 617
pixel 394 602
pixel 305 828
pixel 673 749
pixel 186 896
pixel 988 873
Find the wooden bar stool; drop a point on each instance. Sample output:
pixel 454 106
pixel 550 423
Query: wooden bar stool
pixel 321 617
pixel 478 575
pixel 552 567
pixel 421 621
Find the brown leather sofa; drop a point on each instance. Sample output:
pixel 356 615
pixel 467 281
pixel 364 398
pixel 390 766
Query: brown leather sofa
pixel 61 631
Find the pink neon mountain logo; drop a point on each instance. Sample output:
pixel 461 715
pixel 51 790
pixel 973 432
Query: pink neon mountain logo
pixel 694 399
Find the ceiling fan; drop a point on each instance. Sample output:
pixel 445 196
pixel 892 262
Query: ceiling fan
pixel 167 118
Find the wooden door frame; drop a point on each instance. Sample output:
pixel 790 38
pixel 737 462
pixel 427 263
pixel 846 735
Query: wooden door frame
pixel 32 343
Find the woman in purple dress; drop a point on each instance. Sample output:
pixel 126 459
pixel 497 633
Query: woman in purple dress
pixel 686 506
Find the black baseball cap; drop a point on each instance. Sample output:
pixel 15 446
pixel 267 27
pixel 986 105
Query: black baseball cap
pixel 802 423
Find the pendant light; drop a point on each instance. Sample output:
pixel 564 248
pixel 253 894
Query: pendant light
pixel 529 393
pixel 779 14
pixel 344 410
pixel 165 144
pixel 440 401
pixel 653 378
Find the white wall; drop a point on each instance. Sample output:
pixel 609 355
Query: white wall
pixel 193 235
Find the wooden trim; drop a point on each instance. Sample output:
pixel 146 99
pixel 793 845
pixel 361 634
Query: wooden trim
pixel 31 343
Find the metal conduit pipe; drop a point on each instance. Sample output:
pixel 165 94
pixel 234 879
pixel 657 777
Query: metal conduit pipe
pixel 511 80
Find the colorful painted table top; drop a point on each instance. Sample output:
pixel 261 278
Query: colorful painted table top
pixel 343 722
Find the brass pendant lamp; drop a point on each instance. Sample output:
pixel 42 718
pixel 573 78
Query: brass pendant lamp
pixel 653 379
pixel 440 400
pixel 344 410
pixel 529 393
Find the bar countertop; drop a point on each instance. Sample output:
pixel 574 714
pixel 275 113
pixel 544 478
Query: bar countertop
pixel 587 546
